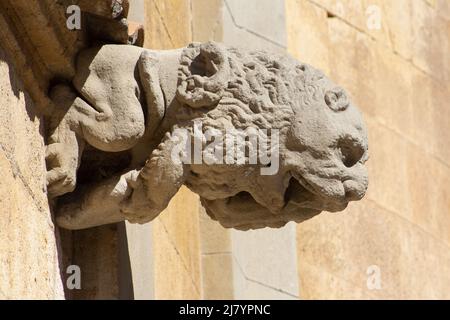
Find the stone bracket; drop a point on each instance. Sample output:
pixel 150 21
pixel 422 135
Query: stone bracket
pixel 43 49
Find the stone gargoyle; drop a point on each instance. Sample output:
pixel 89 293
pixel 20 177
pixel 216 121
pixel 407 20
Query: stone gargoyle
pixel 145 101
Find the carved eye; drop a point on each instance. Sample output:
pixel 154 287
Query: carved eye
pixel 336 99
pixel 351 151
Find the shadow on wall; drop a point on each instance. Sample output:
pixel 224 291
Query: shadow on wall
pixel 15 87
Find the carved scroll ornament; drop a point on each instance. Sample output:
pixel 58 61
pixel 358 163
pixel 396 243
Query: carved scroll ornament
pixel 298 145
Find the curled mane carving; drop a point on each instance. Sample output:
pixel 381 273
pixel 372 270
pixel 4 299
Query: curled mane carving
pixel 246 88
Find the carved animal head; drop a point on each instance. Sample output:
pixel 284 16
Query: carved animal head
pixel 322 145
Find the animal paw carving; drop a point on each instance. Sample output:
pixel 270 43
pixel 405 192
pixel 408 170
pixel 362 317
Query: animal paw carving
pixel 62 165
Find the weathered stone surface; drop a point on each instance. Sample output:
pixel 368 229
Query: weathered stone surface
pixel 431 41
pixel 215 239
pixel 217 276
pixel 181 223
pixel 29 257
pixel 319 284
pixel 21 133
pixel 96 252
pixel 207 20
pixel 42 48
pixel 28 254
pixel 265 258
pixel 308 39
pixel 416 30
pixel 139 259
pixel 168 23
pixel 318 140
pixel 402 224
pixel 217 259
pixel 250 17
pixel 248 38
pixel 247 289
pixel 176 249
pixel 401 251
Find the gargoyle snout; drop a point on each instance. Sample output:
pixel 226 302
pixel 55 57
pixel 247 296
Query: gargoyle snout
pixel 354 191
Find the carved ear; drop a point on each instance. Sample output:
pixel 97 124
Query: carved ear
pixel 204 76
pixel 337 99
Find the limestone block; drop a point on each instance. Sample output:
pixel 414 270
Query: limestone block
pixel 390 181
pixel 180 221
pixel 137 11
pixel 207 20
pixel 443 9
pixel 139 251
pixel 256 291
pixel 217 276
pixel 28 251
pixel 440 133
pixel 29 254
pixel 307 33
pixel 399 20
pixel 345 246
pixel 318 284
pixel 21 133
pixel 416 30
pixel 239 36
pixel 431 41
pixel 267 257
pixel 413 185
pixel 96 252
pixel 167 24
pixel 353 56
pixel 173 278
pixel 214 239
pixel 423 110
pixel 389 24
pixel 176 249
pixel 429 196
pixel 351 11
pixel 246 288
pixel 421 251
pixel 247 15
pixel 397 94
pixel 372 18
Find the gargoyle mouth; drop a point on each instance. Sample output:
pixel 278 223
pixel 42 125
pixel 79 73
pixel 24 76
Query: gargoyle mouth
pixel 302 194
pixel 299 192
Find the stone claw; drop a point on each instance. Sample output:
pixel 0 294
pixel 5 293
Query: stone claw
pixel 61 174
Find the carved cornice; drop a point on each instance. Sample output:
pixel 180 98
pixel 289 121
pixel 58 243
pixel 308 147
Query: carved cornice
pixel 42 49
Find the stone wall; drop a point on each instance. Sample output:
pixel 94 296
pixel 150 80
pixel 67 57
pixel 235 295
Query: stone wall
pixel 29 267
pixel 399 76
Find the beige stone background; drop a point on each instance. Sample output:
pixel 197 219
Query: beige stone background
pixel 398 75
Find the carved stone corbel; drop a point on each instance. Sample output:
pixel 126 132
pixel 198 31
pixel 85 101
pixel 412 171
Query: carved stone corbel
pixel 262 138
pixel 298 145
